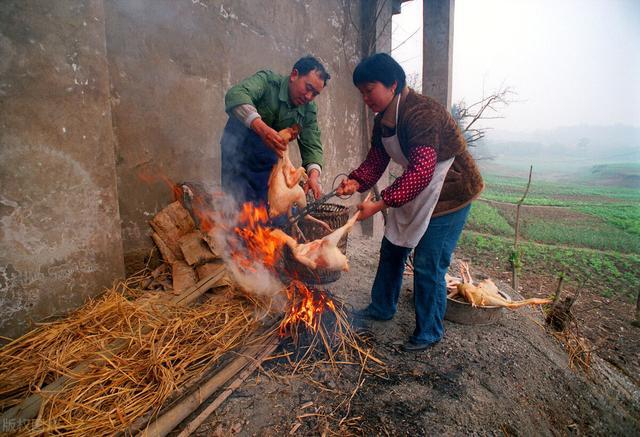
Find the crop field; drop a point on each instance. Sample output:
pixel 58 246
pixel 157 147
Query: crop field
pixel 591 233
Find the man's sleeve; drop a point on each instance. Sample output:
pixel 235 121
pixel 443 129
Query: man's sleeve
pixel 309 140
pixel 247 92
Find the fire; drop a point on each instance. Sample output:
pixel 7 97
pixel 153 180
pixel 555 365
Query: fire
pixel 306 306
pixel 151 178
pixel 261 244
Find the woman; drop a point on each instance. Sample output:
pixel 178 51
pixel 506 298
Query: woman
pixel 427 205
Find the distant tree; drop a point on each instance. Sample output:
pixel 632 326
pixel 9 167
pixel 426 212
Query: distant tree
pixel 487 108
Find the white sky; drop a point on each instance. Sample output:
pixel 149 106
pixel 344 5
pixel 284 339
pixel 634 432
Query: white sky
pixel 570 61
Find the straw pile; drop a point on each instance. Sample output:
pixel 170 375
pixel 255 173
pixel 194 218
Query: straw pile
pixel 166 345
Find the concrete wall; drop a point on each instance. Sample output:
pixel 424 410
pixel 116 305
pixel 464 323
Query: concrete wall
pixel 59 225
pixel 95 93
pixel 171 63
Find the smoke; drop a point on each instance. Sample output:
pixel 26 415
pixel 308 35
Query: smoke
pixel 256 278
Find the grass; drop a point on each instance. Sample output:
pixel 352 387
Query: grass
pixel 544 193
pixel 625 217
pixel 487 219
pixel 590 232
pixel 608 272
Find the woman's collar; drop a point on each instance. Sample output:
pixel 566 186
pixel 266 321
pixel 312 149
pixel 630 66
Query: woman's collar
pixel 389 114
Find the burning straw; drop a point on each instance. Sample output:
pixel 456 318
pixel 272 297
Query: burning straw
pixel 166 346
pixel 320 331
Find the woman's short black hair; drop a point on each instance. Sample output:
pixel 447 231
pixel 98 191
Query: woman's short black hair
pixel 309 63
pixel 380 68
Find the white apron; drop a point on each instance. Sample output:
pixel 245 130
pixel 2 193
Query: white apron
pixel 407 224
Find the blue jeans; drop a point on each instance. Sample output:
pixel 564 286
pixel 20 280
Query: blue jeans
pixel 430 263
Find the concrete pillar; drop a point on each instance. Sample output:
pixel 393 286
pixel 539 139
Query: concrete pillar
pixel 437 49
pixel 376 38
pixel 60 238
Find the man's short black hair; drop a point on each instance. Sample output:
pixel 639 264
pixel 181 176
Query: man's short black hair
pixel 380 68
pixel 309 63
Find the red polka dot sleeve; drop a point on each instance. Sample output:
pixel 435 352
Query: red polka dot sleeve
pixel 416 177
pixel 371 168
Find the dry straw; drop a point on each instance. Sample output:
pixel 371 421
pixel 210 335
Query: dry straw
pixel 163 349
pixel 166 345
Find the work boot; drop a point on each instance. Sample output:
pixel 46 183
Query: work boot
pixel 367 314
pixel 411 346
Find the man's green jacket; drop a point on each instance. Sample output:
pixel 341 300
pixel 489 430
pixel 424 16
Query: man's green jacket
pixel 268 92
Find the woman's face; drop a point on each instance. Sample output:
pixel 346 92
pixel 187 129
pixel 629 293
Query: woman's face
pixel 376 95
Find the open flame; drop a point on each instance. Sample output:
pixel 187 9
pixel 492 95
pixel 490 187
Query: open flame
pixel 252 244
pixel 306 306
pixel 261 244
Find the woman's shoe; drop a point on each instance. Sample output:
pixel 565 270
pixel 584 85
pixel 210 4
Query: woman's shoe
pixel 411 346
pixel 366 314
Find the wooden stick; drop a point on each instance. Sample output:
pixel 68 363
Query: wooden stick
pixel 558 288
pixel 515 267
pixel 172 418
pixel 28 408
pixel 195 423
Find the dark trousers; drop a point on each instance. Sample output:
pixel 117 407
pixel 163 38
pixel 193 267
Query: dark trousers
pixel 431 261
pixel 246 163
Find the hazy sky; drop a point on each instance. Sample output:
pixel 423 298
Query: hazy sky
pixel 570 61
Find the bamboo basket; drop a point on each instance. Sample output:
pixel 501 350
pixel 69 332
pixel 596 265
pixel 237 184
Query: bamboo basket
pixel 335 216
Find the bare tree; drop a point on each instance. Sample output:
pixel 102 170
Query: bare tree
pixel 487 108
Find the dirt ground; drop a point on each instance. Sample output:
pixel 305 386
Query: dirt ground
pixel 508 378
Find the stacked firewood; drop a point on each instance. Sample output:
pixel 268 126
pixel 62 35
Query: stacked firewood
pixel 190 255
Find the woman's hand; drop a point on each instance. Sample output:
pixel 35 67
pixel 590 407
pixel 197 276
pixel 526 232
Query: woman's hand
pixel 369 208
pixel 347 186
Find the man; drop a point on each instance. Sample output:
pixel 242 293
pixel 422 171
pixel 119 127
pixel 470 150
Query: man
pixel 258 108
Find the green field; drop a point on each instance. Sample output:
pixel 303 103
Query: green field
pixel 589 232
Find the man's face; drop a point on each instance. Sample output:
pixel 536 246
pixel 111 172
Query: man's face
pixel 303 89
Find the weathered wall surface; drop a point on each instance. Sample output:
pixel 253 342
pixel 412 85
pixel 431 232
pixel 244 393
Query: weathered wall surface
pixel 59 225
pixel 95 94
pixel 171 63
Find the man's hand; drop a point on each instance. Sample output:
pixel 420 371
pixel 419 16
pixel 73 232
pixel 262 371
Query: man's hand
pixel 369 208
pixel 269 136
pixel 313 184
pixel 347 186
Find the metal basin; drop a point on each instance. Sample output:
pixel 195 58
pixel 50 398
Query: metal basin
pixel 463 313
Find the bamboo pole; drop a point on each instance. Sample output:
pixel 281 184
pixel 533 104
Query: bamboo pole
pixel 28 408
pixel 172 418
pixel 195 423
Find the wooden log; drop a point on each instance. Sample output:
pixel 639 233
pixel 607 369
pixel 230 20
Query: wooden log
pixel 194 249
pixel 212 245
pixel 28 408
pixel 205 270
pixel 168 421
pixel 183 275
pixel 167 254
pixel 213 406
pixel 172 223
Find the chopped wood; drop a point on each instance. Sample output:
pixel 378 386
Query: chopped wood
pixel 194 249
pixel 212 245
pixel 167 254
pixel 171 223
pixel 207 269
pixel 183 275
pixel 157 275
